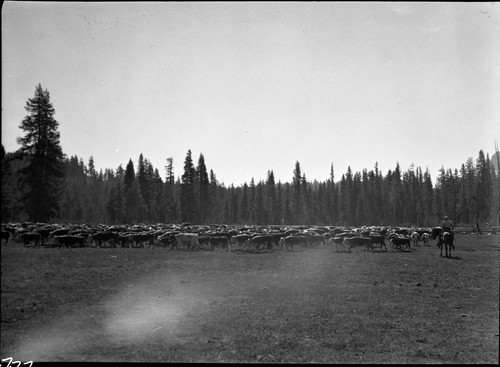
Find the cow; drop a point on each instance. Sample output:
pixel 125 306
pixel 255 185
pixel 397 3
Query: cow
pixel 125 239
pixel 189 239
pixel 415 237
pixel 425 238
pixel 400 243
pixel 240 239
pixel 5 236
pixel 103 237
pixel 435 232
pixel 205 241
pixel 44 233
pixel 223 241
pixel 69 241
pixel 140 238
pixel 315 240
pixel 28 237
pixel 57 232
pixel 264 240
pixel 378 239
pixel 164 240
pixel 289 241
pixel 350 242
pixel 338 241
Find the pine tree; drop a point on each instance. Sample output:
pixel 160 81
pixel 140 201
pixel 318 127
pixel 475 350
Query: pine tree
pixel 270 199
pixel 188 200
pixel 129 176
pixel 483 188
pixel 245 215
pixel 203 190
pixel 171 211
pixel 43 178
pixel 296 202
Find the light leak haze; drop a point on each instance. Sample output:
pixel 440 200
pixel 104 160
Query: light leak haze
pixel 256 87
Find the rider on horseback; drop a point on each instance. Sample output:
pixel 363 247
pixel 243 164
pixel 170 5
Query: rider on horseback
pixel 448 226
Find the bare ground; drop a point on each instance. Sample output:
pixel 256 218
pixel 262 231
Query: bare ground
pixel 318 305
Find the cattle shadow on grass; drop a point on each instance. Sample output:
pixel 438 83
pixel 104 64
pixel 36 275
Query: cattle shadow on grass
pixel 452 257
pixel 251 252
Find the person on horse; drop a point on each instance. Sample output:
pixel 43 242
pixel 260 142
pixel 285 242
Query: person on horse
pixel 448 226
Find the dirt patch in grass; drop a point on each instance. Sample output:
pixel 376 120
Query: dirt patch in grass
pixel 318 305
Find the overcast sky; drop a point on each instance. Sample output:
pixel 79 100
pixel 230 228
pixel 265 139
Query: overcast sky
pixel 259 86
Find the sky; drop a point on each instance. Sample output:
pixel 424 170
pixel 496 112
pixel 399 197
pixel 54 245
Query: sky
pixel 259 86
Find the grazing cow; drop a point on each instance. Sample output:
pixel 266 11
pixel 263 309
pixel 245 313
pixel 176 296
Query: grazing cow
pixel 125 239
pixel 315 240
pixel 189 239
pixel 400 242
pixel 338 241
pixel 350 242
pixel 425 238
pixel 103 237
pixel 205 241
pixel 28 237
pixel 57 232
pixel 240 239
pixel 289 241
pixel 167 239
pixel 69 241
pixel 378 240
pixel 44 233
pixel 223 241
pixel 140 238
pixel 265 240
pixel 415 237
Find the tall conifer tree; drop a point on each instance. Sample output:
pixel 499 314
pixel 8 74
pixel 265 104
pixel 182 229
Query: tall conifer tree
pixel 188 203
pixel 44 176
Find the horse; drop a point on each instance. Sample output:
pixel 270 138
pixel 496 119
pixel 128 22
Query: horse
pixel 446 239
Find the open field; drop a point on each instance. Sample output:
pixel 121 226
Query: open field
pixel 317 305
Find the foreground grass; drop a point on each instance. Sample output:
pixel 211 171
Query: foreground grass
pixel 302 306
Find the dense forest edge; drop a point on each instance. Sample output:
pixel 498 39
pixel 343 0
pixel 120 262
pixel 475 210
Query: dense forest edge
pixel 40 183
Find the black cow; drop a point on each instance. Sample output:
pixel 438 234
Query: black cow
pixel 103 237
pixel 400 243
pixel 289 241
pixel 58 232
pixel 264 240
pixel 435 232
pixel 223 241
pixel 240 239
pixel 29 237
pixel 140 238
pixel 378 240
pixel 355 242
pixel 69 241
pixel 44 233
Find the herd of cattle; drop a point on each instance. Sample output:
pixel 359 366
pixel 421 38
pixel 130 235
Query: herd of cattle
pixel 196 237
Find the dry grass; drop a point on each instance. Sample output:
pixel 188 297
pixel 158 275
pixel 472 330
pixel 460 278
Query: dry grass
pixel 303 306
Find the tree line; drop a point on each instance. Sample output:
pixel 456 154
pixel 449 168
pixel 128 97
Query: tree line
pixel 40 183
